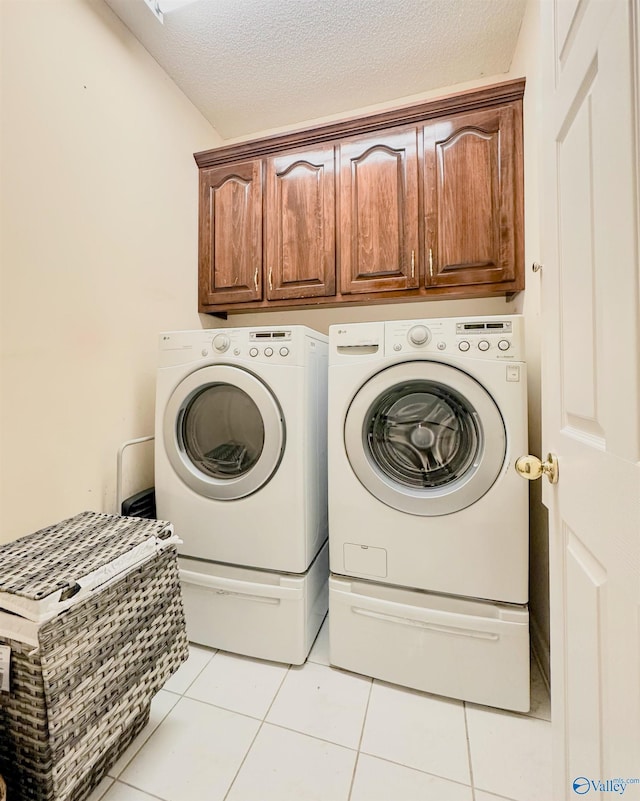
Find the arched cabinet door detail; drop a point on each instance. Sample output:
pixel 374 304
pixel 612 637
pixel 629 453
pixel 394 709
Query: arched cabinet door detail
pixel 379 213
pixel 300 229
pixel 470 196
pixel 231 233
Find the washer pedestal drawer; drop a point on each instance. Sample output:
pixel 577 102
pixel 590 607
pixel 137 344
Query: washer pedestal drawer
pixel 257 613
pixel 463 648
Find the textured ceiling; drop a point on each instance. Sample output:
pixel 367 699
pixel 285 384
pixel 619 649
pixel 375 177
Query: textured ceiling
pixel 251 65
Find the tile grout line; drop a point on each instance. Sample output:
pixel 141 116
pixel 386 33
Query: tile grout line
pixel 497 795
pixel 466 731
pixel 311 736
pixel 133 787
pixel 104 794
pixel 364 722
pixel 219 706
pixel 419 770
pixel 196 677
pixel 262 722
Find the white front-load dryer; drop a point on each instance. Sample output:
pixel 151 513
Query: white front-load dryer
pixel 240 470
pixel 240 466
pixel 427 420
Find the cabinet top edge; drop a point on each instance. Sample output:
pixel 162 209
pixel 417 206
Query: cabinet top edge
pixel 469 100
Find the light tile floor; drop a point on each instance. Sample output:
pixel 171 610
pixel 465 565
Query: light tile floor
pixel 229 728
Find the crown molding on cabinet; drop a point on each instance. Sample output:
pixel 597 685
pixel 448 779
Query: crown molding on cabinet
pixel 467 101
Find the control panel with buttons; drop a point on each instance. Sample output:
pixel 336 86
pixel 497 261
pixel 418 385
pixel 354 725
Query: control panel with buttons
pixel 236 345
pixel 489 337
pixel 473 337
pixel 264 346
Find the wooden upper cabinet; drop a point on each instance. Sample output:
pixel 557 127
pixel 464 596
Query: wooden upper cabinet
pixel 472 197
pixel 419 202
pixel 300 225
pixel 230 253
pixel 379 242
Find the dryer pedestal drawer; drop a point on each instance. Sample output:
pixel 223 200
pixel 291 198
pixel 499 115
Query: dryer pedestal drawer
pixel 257 613
pixel 472 650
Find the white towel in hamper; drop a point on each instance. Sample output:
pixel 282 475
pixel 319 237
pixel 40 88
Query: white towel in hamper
pixel 50 570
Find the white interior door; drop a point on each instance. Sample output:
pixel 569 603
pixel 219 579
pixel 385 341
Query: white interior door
pixel 591 389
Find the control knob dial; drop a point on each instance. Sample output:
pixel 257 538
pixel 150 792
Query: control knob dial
pixel 221 343
pixel 419 335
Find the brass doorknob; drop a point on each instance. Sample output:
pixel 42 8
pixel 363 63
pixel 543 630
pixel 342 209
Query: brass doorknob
pixel 531 468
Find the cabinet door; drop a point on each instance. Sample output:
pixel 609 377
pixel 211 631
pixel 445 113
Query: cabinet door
pixel 473 197
pixel 379 212
pixel 300 225
pixel 230 255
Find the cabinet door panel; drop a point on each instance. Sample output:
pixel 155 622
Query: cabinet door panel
pixel 231 233
pixel 470 199
pixel 300 225
pixel 379 213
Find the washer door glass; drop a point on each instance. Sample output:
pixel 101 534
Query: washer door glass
pixel 224 432
pixel 425 438
pixel 422 434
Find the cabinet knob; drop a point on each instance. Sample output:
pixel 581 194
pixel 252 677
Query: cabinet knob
pixel 255 279
pixel 270 279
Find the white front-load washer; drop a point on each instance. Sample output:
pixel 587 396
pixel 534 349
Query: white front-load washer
pixel 427 420
pixel 240 470
pixel 428 520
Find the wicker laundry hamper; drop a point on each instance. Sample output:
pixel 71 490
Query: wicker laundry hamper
pixel 92 626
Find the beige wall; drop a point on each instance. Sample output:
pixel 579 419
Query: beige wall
pixel 98 252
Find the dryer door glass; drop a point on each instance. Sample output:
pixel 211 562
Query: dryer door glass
pixel 422 434
pixel 222 431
